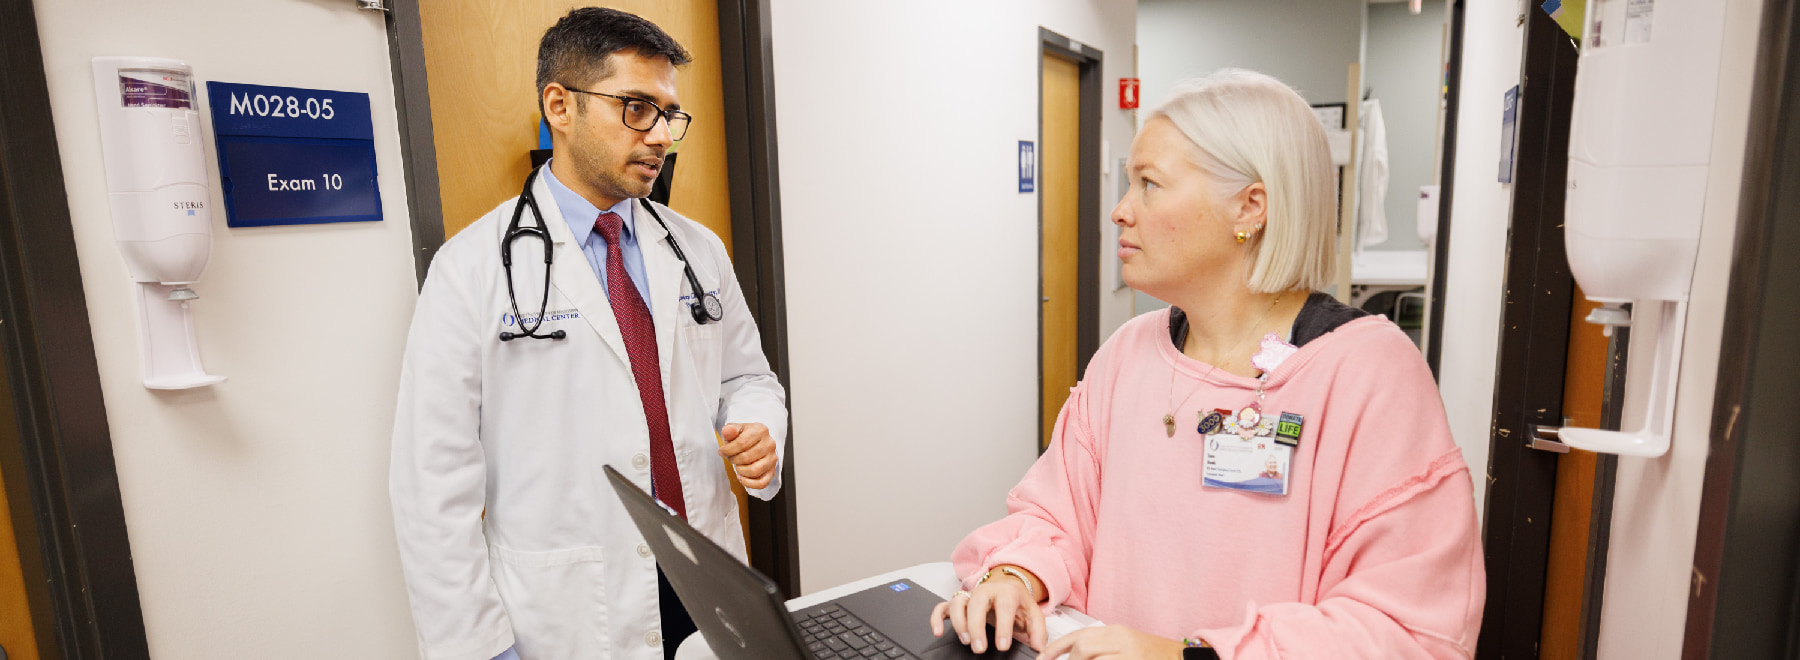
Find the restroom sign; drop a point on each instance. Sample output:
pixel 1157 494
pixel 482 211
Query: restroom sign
pixel 1027 166
pixel 1128 93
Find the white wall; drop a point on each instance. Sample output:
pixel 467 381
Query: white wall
pixel 1404 70
pixel 1656 502
pixel 257 509
pixel 911 262
pixel 1480 213
pixel 1308 44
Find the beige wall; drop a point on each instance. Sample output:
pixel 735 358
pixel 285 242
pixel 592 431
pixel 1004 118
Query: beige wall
pixel 257 508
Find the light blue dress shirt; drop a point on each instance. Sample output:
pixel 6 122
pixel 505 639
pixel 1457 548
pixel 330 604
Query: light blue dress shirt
pixel 581 214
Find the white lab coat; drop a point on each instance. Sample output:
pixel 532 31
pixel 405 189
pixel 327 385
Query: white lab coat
pixel 509 532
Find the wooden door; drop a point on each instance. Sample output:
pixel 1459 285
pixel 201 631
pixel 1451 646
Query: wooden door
pixel 16 634
pixel 1059 184
pixel 481 66
pixel 1572 507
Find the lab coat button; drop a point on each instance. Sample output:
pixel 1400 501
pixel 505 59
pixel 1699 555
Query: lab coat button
pixel 643 551
pixel 640 461
pixel 653 638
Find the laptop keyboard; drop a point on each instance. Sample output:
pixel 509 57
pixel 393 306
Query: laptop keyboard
pixel 833 633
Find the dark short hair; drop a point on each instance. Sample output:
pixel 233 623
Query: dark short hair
pixel 573 52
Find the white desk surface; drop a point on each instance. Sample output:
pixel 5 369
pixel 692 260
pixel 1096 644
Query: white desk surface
pixel 939 577
pixel 1389 268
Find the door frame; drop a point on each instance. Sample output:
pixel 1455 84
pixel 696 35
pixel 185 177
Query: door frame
pixel 747 68
pixel 1531 362
pixel 61 481
pixel 1088 217
pixel 1440 259
pixel 747 63
pixel 1745 600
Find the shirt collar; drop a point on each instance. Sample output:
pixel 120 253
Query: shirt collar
pixel 581 213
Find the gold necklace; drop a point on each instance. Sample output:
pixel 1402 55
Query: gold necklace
pixel 1168 419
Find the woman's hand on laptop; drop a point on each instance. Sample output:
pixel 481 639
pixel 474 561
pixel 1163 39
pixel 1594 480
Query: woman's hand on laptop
pixel 1112 642
pixel 1004 602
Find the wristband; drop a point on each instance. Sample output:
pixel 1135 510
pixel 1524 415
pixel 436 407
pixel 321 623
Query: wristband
pixel 1008 570
pixel 1195 651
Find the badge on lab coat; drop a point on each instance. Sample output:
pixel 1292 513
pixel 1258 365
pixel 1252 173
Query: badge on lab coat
pixel 1243 452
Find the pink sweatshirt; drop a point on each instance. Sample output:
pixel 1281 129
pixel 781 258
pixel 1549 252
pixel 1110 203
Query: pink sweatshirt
pixel 1373 553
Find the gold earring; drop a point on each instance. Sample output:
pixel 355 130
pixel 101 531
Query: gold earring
pixel 1243 236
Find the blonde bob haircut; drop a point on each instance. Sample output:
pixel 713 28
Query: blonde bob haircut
pixel 1248 127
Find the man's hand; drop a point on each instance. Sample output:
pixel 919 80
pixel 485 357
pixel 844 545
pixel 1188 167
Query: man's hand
pixel 751 451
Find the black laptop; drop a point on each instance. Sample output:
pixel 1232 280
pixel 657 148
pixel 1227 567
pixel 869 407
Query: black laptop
pixel 742 615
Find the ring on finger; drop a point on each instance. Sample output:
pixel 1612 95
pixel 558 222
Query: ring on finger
pixel 960 592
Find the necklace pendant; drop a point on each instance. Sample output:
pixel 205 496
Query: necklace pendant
pixel 1169 425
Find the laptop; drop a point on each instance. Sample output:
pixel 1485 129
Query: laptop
pixel 743 617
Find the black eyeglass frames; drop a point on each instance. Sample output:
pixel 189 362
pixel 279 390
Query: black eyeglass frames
pixel 641 115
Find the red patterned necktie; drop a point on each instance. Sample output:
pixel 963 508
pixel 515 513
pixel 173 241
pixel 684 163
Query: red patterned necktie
pixel 639 331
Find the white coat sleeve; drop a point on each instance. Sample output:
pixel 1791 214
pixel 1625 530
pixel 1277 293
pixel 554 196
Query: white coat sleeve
pixel 748 391
pixel 437 477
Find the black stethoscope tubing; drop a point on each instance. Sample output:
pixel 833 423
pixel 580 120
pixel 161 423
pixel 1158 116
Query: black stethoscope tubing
pixel 705 308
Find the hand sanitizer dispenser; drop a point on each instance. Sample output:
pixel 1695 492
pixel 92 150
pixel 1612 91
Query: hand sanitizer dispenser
pixel 161 209
pixel 1639 146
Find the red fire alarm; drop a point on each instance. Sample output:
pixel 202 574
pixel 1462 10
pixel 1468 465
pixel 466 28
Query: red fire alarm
pixel 1128 93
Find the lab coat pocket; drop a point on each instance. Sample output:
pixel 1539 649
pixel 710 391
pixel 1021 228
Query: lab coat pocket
pixel 704 353
pixel 556 600
pixel 732 538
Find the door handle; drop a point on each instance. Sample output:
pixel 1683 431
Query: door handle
pixel 1546 438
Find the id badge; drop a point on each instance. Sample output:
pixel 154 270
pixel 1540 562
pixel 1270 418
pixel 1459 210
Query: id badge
pixel 1244 452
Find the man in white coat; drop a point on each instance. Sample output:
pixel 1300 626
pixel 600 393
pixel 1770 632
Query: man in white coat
pixel 523 378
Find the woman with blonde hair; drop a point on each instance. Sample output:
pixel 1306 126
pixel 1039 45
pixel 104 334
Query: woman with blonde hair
pixel 1155 508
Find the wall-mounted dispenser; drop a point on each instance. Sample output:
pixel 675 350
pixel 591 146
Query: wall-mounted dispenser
pixel 1639 146
pixel 161 209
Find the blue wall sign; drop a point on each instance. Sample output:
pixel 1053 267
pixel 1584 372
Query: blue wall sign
pixel 1509 133
pixel 290 156
pixel 1027 166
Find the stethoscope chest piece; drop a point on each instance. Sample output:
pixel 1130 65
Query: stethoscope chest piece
pixel 708 309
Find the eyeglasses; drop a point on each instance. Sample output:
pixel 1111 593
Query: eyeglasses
pixel 641 115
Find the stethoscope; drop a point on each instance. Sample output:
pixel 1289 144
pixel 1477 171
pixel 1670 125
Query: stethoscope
pixel 705 308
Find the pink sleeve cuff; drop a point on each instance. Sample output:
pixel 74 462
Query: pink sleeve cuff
pixel 1236 641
